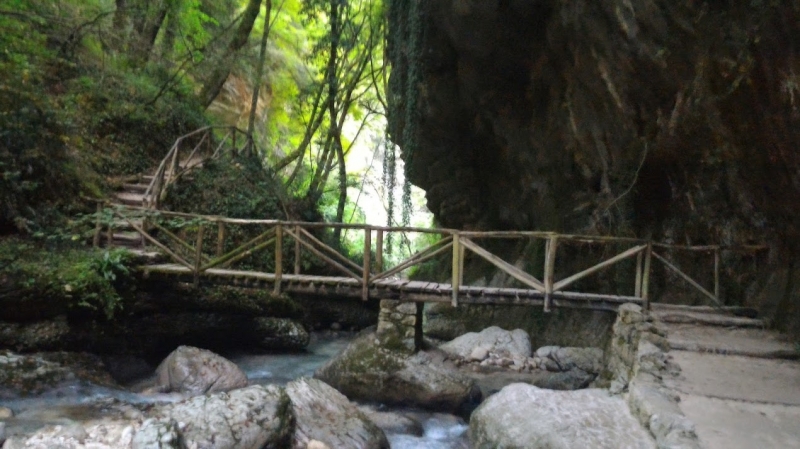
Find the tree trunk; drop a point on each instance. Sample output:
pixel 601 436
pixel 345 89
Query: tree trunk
pixel 214 84
pixel 262 58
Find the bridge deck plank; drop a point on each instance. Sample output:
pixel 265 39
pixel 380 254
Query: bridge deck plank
pixel 402 289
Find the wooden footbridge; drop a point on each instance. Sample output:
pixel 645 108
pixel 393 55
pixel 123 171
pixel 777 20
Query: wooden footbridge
pixel 271 254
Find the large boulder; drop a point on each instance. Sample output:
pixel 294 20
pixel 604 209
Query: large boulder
pixel 367 371
pixel 198 371
pixel 492 340
pixel 325 415
pixel 255 417
pixel 522 415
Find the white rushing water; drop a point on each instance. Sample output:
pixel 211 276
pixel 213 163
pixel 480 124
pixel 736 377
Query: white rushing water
pixel 76 401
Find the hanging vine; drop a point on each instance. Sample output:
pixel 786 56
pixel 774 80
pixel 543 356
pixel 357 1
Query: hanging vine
pixel 389 183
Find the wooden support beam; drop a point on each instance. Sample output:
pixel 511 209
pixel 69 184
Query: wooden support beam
pixel 379 251
pixel 198 255
pixel 366 271
pixel 456 273
pixel 686 278
pixel 327 259
pixel 330 250
pixel 297 251
pixel 648 253
pixel 222 232
pixel 278 259
pixel 176 239
pixel 232 255
pixel 637 290
pixel 421 256
pixel 155 242
pixel 549 269
pixel 515 272
pixel 605 264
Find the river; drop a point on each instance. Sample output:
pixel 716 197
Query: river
pixel 77 401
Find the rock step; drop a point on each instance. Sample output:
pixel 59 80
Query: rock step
pixel 707 319
pixel 135 188
pixel 129 199
pixel 746 312
pixel 692 346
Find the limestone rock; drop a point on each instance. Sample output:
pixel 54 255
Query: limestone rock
pixel 393 422
pixel 104 434
pixel 198 371
pixel 6 413
pixel 522 415
pixel 249 418
pixel 34 373
pixel 555 358
pixel 492 340
pixel 366 371
pixel 280 334
pixel 324 415
pixel 157 435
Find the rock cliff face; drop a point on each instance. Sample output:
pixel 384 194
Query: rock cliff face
pixel 677 120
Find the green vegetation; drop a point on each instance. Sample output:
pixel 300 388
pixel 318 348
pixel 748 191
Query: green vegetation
pixel 66 277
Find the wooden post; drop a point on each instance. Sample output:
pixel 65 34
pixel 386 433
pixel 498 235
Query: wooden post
pixel 367 254
pixel 198 255
pixel 297 253
pixel 648 255
pixel 461 252
pixel 379 251
pixel 418 331
pixel 98 225
pixel 456 274
pixel 716 275
pixel 278 258
pixel 637 292
pixel 549 268
pixel 221 233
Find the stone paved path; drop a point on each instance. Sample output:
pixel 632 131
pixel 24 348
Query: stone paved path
pixel 740 386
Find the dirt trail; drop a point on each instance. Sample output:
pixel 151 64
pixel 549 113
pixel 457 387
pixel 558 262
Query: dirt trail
pixel 740 386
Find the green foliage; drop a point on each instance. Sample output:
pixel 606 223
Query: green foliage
pixel 79 278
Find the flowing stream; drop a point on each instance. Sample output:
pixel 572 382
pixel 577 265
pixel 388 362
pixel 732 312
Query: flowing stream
pixel 78 401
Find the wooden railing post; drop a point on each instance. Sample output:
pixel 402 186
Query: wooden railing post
pixel 98 225
pixel 367 255
pixel 221 233
pixel 648 255
pixel 297 253
pixel 549 268
pixel 637 291
pixel 379 251
pixel 456 271
pixel 716 275
pixel 198 255
pixel 278 258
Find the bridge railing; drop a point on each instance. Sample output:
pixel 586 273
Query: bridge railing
pixel 276 250
pixel 189 152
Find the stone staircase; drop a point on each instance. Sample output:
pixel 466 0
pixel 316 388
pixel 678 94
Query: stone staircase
pixel 739 381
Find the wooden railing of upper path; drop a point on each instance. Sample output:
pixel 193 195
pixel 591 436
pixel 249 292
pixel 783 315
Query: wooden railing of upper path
pixel 189 152
pixel 195 253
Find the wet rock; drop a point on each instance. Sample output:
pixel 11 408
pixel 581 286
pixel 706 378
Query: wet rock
pixel 280 334
pixel 2 432
pixel 249 418
pixel 492 340
pixel 45 335
pixel 554 358
pixel 32 374
pixel 522 415
pixel 393 422
pixel 6 413
pixel 370 372
pixel 197 371
pixel 323 414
